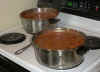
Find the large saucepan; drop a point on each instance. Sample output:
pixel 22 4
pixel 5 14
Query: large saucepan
pixel 58 59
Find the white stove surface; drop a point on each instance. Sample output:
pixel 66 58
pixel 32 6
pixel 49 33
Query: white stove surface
pixel 27 59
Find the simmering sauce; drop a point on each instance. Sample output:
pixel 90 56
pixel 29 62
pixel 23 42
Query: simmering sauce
pixel 43 14
pixel 60 40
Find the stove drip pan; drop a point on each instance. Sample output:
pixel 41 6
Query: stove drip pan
pixel 12 38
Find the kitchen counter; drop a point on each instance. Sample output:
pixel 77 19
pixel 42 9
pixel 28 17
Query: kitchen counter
pixel 27 59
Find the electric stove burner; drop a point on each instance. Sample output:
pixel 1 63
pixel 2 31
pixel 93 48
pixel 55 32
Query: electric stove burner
pixel 12 38
pixel 93 42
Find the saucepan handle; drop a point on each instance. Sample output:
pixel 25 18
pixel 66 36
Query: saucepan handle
pixel 26 47
pixel 23 49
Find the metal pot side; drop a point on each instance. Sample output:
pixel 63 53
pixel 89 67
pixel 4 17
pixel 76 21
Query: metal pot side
pixel 59 59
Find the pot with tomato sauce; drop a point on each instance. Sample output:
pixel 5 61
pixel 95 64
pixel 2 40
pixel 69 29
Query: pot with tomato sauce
pixel 37 19
pixel 57 48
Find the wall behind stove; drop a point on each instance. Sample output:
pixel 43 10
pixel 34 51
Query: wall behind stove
pixel 9 12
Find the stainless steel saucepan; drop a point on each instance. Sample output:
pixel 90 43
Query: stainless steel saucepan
pixel 37 19
pixel 58 59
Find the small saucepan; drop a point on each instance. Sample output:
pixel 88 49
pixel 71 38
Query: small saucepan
pixel 37 19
